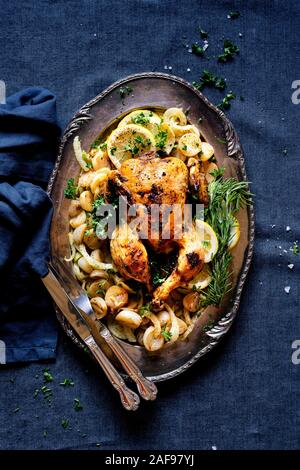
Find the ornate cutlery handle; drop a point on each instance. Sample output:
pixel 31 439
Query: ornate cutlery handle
pixel 146 388
pixel 129 399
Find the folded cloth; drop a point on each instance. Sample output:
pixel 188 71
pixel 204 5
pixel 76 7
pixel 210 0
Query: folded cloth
pixel 28 142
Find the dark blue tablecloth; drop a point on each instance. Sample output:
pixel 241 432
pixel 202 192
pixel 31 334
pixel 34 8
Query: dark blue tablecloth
pixel 245 394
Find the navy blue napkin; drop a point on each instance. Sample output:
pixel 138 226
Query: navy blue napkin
pixel 28 142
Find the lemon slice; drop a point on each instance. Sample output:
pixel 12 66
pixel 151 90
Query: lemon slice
pixel 207 151
pixel 235 233
pixel 201 280
pixel 209 240
pixel 189 144
pixel 129 141
pixel 144 118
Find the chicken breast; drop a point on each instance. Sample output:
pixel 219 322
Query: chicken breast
pixel 152 181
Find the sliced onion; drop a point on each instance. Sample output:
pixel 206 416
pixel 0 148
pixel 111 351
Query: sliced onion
pixel 78 153
pixel 92 261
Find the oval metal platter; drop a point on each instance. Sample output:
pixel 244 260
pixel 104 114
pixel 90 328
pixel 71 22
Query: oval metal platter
pixel 158 90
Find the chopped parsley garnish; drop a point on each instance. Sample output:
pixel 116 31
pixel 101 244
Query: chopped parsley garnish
pixel 229 51
pixel 65 423
pixel 161 138
pixel 233 15
pixel 166 334
pixel 67 383
pixel 98 143
pixel 161 268
pixel 99 222
pixel 210 80
pixel 184 147
pixel 225 103
pixel 140 119
pixel 144 310
pixel 112 150
pixel 197 49
pixel 221 141
pixel 77 405
pixel 203 34
pixel 71 189
pixel 101 291
pixel 86 158
pixel 47 376
pixel 133 149
pixel 125 91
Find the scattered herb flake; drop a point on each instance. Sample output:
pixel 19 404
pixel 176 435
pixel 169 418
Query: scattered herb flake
pixel 208 79
pixel 229 51
pixel 77 405
pixel 125 91
pixel 225 103
pixel 65 423
pixel 197 49
pixel 67 383
pixel 233 15
pixel 203 34
pixel 47 376
pixel 295 249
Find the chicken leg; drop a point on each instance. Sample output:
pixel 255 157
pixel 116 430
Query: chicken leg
pixel 189 264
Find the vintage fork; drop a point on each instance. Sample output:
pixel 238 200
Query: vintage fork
pixel 79 298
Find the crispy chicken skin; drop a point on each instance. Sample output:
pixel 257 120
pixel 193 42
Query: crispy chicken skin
pixel 189 264
pixel 130 255
pixel 198 181
pixel 151 180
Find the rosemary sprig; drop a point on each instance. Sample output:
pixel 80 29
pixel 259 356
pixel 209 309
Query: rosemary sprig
pixel 227 197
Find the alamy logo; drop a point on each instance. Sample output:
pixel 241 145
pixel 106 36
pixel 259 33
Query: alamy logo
pixel 2 92
pixel 2 352
pixel 296 95
pixel 296 353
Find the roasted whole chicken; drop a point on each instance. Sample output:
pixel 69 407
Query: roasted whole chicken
pixel 155 183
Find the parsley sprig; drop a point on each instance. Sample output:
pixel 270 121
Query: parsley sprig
pixel 71 189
